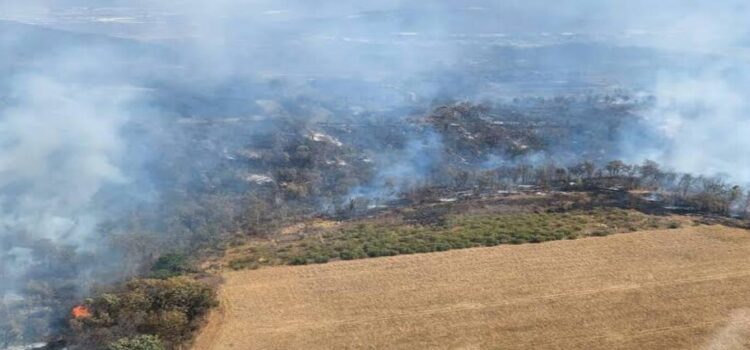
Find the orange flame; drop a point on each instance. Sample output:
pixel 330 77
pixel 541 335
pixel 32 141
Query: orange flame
pixel 80 311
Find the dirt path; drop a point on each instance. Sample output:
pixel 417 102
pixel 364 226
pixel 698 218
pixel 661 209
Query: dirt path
pixel 680 289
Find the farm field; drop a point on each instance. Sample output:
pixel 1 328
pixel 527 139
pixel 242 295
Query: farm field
pixel 686 288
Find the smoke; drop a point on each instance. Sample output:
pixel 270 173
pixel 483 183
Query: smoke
pixel 701 122
pixel 83 75
pixel 702 112
pixel 61 143
pixel 65 106
pixel 402 169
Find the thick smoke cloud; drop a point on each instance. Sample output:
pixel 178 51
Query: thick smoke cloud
pixel 219 42
pixel 702 112
pixel 65 103
pixel 702 122
pixel 61 143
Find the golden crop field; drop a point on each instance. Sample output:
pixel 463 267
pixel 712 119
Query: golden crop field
pixel 685 288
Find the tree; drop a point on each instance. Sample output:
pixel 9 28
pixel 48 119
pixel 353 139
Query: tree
pixel 714 196
pixel 685 185
pixel 615 167
pixel 589 168
pixel 735 205
pixel 584 169
pixel 524 172
pixel 745 207
pixel 650 172
pixel 169 309
pixel 650 169
pixel 735 193
pixel 170 265
pixel 561 174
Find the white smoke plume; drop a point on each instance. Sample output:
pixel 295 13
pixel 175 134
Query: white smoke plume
pixel 61 143
pixel 703 122
pixel 60 146
pixel 702 115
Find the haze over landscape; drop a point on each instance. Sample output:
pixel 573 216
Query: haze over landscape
pixel 152 147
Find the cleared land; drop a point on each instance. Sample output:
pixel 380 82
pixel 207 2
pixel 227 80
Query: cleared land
pixel 680 289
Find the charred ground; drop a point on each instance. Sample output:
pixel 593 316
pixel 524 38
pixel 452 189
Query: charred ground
pixel 454 176
pixel 508 143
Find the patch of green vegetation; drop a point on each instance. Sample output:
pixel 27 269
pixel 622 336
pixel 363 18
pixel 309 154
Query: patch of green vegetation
pixel 141 342
pixel 170 265
pixel 244 263
pixel 674 225
pixel 375 239
pixel 154 314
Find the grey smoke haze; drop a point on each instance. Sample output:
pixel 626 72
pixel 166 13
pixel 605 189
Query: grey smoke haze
pixel 702 113
pixel 221 40
pixel 402 169
pixel 65 105
pixel 61 119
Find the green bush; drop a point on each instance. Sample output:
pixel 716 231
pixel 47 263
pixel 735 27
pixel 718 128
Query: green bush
pixel 376 239
pixel 600 233
pixel 141 342
pixel 320 259
pixel 353 253
pixel 170 309
pixel 243 263
pixel 170 265
pixel 298 260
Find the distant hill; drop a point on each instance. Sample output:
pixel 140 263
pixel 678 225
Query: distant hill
pixel 24 44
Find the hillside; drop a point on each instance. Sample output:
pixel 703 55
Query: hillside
pixel 373 174
pixel 684 288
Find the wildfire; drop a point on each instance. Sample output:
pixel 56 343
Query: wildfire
pixel 80 311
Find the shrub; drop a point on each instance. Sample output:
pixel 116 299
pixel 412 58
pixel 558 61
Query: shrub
pixel 169 309
pixel 320 259
pixel 442 247
pixel 243 263
pixel 170 265
pixel 405 249
pixel 600 233
pixel 355 253
pixel 462 230
pixel 298 260
pixel 141 342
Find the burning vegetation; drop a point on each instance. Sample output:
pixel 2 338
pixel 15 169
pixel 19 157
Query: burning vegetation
pixel 453 156
pixel 121 177
pixel 80 312
pixel 168 310
pixel 439 167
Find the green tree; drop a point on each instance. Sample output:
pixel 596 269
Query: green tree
pixel 170 265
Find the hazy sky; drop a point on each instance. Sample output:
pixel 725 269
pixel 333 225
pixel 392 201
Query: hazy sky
pixel 686 24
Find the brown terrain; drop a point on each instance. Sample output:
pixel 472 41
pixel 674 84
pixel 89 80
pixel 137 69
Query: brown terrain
pixel 684 288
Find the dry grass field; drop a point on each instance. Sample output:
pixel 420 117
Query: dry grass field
pixel 685 288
